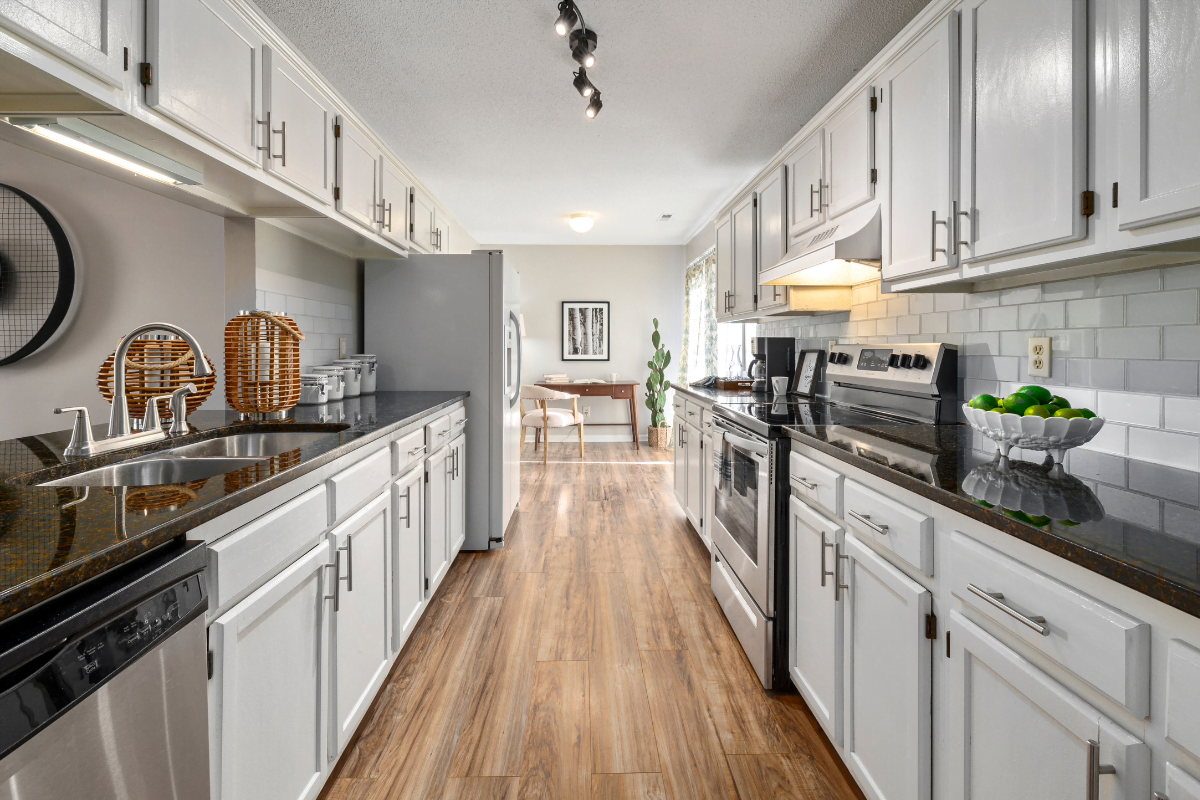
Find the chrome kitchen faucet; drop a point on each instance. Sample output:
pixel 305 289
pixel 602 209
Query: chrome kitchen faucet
pixel 119 434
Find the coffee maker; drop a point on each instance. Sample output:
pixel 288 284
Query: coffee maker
pixel 772 358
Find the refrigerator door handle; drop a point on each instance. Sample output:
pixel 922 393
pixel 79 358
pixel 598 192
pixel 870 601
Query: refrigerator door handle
pixel 515 378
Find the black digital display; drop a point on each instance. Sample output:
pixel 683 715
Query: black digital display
pixel 874 360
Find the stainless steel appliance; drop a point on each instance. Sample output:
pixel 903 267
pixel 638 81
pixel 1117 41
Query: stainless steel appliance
pixel 866 386
pixel 104 690
pixel 772 357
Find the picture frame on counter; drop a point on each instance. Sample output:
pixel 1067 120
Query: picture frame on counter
pixel 585 330
pixel 808 370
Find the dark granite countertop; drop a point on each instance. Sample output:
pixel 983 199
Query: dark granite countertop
pixel 1135 522
pixel 54 538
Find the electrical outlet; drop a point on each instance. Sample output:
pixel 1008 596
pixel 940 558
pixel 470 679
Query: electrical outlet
pixel 1039 357
pixel 342 347
pixel 587 411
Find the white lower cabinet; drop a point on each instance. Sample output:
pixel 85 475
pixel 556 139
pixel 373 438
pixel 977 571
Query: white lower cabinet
pixel 361 644
pixel 1014 732
pixel 268 695
pixel 681 475
pixel 437 518
pixel 695 497
pixel 456 497
pixel 706 488
pixel 1180 785
pixel 888 703
pixel 815 605
pixel 408 563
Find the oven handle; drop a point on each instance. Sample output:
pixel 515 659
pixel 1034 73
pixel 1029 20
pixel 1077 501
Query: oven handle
pixel 749 445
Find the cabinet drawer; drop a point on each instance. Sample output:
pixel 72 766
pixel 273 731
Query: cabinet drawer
pixel 238 561
pixel 437 433
pixel 894 526
pixel 458 422
pixel 622 391
pixel 407 451
pixel 590 390
pixel 691 413
pixel 351 487
pixel 817 483
pixel 1183 696
pixel 1107 648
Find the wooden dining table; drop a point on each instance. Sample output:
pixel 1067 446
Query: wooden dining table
pixel 617 390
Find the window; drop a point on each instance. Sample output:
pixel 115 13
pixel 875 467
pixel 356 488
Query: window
pixel 699 319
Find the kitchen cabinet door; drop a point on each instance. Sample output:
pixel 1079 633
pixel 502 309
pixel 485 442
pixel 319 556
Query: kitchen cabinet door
pixel 268 697
pixel 437 518
pixel 724 268
pixel 745 256
pixel 457 495
pixel 806 185
pixel 886 672
pixel 681 464
pixel 91 34
pixel 361 641
pixel 695 498
pixel 706 488
pixel 919 109
pixel 815 639
pixel 357 175
pixel 441 232
pixel 1159 56
pixel 408 563
pixel 393 203
pixel 772 235
pixel 1015 732
pixel 1024 129
pixel 421 230
pixel 206 59
pixel 297 129
pixel 850 156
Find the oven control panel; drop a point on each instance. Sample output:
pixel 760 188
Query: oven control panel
pixel 911 363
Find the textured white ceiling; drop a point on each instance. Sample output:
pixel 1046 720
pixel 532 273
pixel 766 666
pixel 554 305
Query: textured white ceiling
pixel 476 97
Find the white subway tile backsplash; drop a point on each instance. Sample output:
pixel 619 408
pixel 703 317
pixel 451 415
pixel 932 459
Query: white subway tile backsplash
pixel 877 309
pixel 910 324
pixel 885 326
pixel 1099 312
pixel 1022 294
pixel 1109 439
pixel 1128 342
pixel 920 303
pixel 897 306
pixel 1162 377
pixel 1181 342
pixel 276 302
pixel 1182 414
pixel 1129 506
pixel 328 309
pixel 933 323
pixel 1097 373
pixel 997 368
pixel 1164 447
pixel 1069 290
pixel 983 299
pixel 1186 277
pixel 865 327
pixel 949 302
pixel 1001 318
pixel 344 311
pixel 1073 343
pixel 963 321
pixel 1014 343
pixel 260 300
pixel 1042 315
pixel 981 344
pixel 1149 280
pixel 298 306
pixel 1163 308
pixel 1135 409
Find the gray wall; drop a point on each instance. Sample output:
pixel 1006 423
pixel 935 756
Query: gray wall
pixel 141 258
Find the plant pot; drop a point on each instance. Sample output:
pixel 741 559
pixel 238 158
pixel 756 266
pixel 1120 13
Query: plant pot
pixel 658 438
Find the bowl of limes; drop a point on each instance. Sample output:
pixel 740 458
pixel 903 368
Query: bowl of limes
pixel 1032 418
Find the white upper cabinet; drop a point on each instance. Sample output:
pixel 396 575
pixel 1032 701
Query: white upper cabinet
pixel 91 34
pixel 421 222
pixel 1159 162
pixel 745 261
pixel 205 61
pixel 393 203
pixel 850 155
pixel 441 232
pixel 919 117
pixel 772 235
pixel 357 190
pixel 1024 129
pixel 297 128
pixel 806 185
pixel 724 237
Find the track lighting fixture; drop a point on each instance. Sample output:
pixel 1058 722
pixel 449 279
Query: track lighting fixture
pixel 594 107
pixel 567 17
pixel 582 84
pixel 583 47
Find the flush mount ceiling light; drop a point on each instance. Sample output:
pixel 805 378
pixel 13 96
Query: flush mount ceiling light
pixel 582 42
pixel 581 223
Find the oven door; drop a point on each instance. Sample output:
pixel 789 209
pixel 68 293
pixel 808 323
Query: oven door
pixel 741 510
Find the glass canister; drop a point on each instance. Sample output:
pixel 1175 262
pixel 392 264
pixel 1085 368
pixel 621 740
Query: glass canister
pixel 370 364
pixel 314 389
pixel 337 380
pixel 354 370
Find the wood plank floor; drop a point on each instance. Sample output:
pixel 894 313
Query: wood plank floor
pixel 587 659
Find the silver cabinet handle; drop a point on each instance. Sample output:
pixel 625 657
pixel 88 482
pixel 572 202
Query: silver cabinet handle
pixel 933 248
pixel 349 576
pixel 805 484
pixel 1095 769
pixel 407 507
pixel 335 597
pixel 957 232
pixel 462 421
pixel 282 130
pixel 865 519
pixel 416 450
pixel 824 572
pixel 443 433
pixel 1036 624
pixel 821 187
pixel 838 586
pixel 812 212
pixel 282 144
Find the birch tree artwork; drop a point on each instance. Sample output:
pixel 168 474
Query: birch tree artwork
pixel 585 331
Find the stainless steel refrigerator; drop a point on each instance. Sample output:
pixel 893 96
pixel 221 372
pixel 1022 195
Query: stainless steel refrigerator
pixel 446 322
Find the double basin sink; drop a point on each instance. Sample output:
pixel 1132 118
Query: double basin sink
pixel 191 462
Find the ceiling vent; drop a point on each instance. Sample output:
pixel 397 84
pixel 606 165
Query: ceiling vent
pixel 665 218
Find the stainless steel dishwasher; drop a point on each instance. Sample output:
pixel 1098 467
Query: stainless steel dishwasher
pixel 103 691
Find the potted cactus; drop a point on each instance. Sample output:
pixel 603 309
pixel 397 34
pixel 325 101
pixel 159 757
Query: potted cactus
pixel 658 435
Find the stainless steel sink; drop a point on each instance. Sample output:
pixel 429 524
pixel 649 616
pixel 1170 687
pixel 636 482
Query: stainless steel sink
pixel 154 472
pixel 245 445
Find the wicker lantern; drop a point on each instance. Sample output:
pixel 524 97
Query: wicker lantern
pixel 262 364
pixel 157 364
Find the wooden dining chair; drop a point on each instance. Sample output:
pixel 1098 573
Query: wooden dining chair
pixel 542 418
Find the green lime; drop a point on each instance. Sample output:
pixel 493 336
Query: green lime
pixel 984 402
pixel 1067 523
pixel 1040 522
pixel 1020 516
pixel 1061 402
pixel 1085 413
pixel 984 503
pixel 1068 413
pixel 1038 411
pixel 1039 393
pixel 1017 403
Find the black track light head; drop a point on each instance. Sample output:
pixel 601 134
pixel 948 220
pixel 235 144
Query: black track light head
pixel 583 46
pixel 582 84
pixel 594 107
pixel 567 16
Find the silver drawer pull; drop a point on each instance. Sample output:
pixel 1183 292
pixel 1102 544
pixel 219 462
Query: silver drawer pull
pixel 865 519
pixel 824 572
pixel 805 484
pixel 416 450
pixel 1095 769
pixel 1037 624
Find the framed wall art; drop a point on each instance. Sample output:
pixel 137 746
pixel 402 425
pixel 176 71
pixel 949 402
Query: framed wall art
pixel 585 335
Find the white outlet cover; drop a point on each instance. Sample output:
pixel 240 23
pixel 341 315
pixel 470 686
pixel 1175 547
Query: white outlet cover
pixel 1039 357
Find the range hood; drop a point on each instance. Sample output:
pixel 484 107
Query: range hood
pixel 842 253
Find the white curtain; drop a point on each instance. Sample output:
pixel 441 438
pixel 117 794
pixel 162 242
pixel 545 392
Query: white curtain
pixel 699 319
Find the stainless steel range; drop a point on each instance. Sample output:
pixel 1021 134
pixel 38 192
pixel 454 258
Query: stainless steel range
pixel 866 385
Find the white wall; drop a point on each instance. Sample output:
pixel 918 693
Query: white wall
pixel 141 258
pixel 640 283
